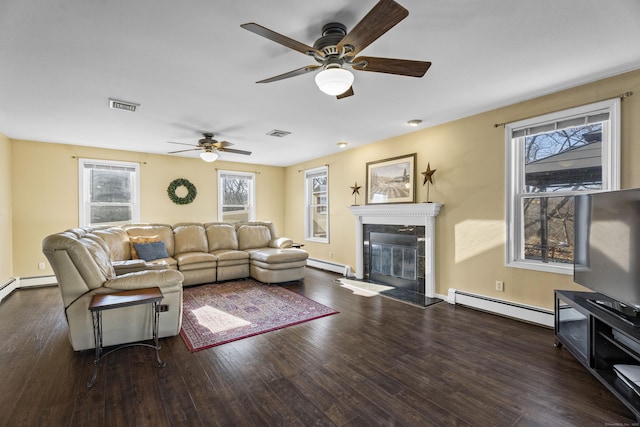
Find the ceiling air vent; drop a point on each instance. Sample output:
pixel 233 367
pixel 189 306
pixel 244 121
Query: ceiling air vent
pixel 278 133
pixel 122 105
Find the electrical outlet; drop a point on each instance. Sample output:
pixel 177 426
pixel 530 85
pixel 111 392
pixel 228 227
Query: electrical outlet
pixel 499 286
pixel 41 266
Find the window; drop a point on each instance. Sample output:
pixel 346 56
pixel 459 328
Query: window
pixel 317 204
pixel 550 159
pixel 109 192
pixel 236 200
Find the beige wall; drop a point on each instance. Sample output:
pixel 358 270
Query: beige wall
pixel 6 241
pixel 469 155
pixel 45 193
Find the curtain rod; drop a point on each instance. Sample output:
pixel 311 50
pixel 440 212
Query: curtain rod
pixel 110 160
pixel 622 96
pixel 229 170
pixel 302 170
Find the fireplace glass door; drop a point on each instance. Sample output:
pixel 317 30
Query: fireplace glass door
pixel 393 259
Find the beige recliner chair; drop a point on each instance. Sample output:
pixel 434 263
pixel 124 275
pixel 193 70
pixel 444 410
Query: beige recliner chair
pixel 82 265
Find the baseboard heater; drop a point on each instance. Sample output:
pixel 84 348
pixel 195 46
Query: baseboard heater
pixel 329 266
pixel 36 281
pixel 7 287
pixel 25 282
pixel 526 313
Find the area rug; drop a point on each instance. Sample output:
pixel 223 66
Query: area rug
pixel 223 312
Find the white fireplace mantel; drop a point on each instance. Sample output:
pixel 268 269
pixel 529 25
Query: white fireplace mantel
pixel 419 214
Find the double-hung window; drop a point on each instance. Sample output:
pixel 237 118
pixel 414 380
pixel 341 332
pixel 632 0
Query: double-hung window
pixel 550 159
pixel 236 198
pixel 317 204
pixel 109 192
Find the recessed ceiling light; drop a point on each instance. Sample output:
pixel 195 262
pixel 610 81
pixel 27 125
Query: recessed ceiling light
pixel 342 144
pixel 414 122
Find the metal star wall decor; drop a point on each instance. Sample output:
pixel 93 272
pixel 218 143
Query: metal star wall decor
pixel 355 192
pixel 428 174
pixel 428 178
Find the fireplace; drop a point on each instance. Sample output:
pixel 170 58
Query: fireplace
pixel 416 220
pixel 392 255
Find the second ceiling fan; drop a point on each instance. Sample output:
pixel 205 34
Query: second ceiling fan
pixel 338 48
pixel 210 148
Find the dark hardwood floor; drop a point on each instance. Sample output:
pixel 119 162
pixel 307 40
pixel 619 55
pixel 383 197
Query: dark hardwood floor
pixel 377 362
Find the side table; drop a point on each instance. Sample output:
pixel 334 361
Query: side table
pixel 102 302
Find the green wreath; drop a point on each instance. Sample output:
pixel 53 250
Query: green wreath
pixel 181 182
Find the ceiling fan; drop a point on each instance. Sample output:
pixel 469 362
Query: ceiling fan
pixel 211 148
pixel 338 48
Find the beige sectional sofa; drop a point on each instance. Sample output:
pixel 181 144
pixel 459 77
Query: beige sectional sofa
pixel 214 252
pixel 89 261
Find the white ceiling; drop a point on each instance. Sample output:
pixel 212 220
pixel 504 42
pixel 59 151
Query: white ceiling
pixel 192 68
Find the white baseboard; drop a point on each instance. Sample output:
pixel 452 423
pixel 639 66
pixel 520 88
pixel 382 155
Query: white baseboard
pixel 527 313
pixel 329 266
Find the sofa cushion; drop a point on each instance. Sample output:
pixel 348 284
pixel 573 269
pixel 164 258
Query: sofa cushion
pixel 253 236
pixel 168 263
pixel 151 251
pixel 118 241
pixel 277 256
pixel 193 261
pixel 221 236
pixel 133 265
pixel 163 231
pixel 133 240
pixel 190 237
pixel 100 256
pixel 187 258
pixel 279 266
pixel 231 255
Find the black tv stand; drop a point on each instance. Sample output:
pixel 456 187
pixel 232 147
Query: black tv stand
pixel 599 338
pixel 624 312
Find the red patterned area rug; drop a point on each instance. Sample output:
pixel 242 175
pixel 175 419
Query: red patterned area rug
pixel 224 312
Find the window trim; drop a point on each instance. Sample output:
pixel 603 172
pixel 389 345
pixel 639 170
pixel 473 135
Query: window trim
pixel 252 192
pixel 84 219
pixel 514 176
pixel 308 232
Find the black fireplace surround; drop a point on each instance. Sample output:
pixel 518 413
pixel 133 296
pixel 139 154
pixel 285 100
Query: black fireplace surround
pixel 395 255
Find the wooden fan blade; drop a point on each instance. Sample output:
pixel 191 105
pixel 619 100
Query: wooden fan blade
pixel 223 144
pixel 233 150
pixel 348 92
pixel 384 16
pixel 182 151
pixel 298 72
pixel 182 143
pixel 279 38
pixel 403 67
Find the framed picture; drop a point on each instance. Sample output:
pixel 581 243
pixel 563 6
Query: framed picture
pixel 392 180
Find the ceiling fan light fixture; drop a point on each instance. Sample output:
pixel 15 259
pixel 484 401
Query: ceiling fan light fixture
pixel 414 122
pixel 334 81
pixel 342 144
pixel 209 156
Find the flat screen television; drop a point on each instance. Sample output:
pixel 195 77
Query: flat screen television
pixel 607 249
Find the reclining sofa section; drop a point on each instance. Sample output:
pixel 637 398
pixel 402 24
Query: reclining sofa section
pixel 96 260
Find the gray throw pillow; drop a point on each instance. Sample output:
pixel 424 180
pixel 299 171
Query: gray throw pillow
pixel 151 251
